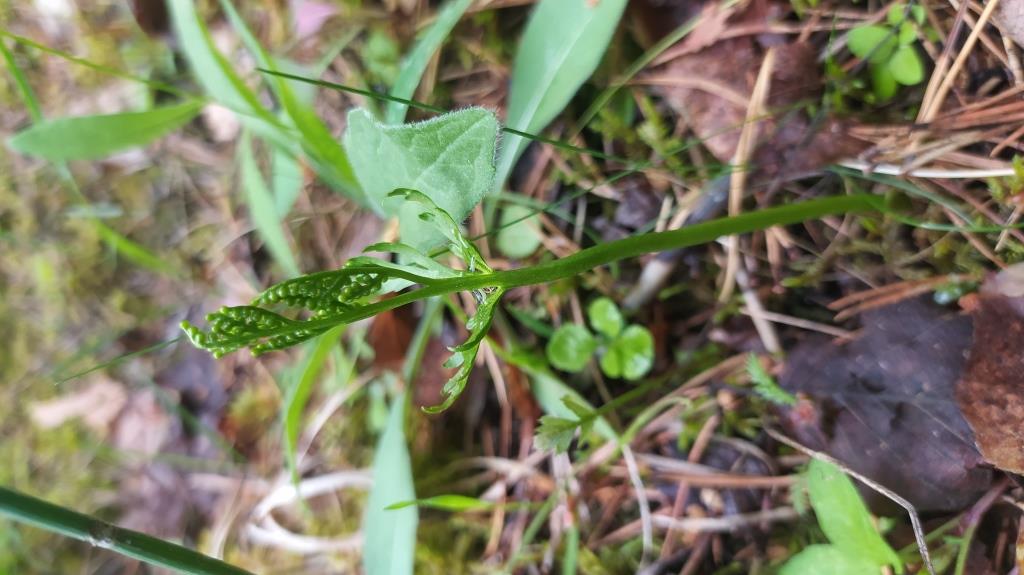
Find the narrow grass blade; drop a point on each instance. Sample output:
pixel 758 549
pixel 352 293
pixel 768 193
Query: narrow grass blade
pixel 390 535
pixel 92 137
pixel 298 396
pixel 27 509
pixel 324 150
pixel 561 47
pixel 416 62
pixel 24 89
pixel 215 74
pixel 262 209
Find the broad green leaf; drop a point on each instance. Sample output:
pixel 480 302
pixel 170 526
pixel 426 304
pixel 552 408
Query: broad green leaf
pixel 818 559
pixel 555 433
pixel 445 503
pixel 298 394
pixel 519 235
pixel 450 159
pixel 631 355
pixel 390 535
pixel 906 67
pixel 262 210
pixel 91 137
pixel 561 47
pixel 843 516
pixel 765 385
pixel 416 61
pixel 876 43
pixel 605 317
pixel 571 347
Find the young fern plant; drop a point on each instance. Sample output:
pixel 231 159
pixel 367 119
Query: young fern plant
pixel 325 299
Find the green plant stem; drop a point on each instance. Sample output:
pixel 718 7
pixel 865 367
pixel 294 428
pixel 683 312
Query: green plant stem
pixel 27 509
pixel 602 254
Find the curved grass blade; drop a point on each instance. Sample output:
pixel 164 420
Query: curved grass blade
pixel 92 137
pixel 27 509
pixel 561 47
pixel 416 62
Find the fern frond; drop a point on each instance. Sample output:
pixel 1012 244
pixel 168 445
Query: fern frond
pixel 232 328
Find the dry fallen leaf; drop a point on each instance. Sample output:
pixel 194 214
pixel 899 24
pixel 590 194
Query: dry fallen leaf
pixel 884 404
pixel 991 391
pixel 1010 17
pixel 96 404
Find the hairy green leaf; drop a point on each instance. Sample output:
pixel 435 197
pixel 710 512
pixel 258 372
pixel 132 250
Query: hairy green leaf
pixel 631 355
pixel 571 347
pixel 91 137
pixel 843 516
pixel 450 159
pixel 561 47
pixel 605 317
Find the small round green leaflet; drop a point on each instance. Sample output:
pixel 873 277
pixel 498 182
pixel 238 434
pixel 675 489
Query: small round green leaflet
pixel 906 66
pixel 631 355
pixel 605 317
pixel 571 347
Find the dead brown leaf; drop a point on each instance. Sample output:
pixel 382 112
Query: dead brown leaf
pixel 1010 16
pixel 884 404
pixel 97 405
pixel 991 391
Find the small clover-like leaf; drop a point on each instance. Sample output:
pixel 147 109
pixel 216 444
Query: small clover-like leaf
pixel 605 317
pixel 464 354
pixel 883 83
pixel 876 43
pixel 570 347
pixel 631 355
pixel 896 14
pixel 906 67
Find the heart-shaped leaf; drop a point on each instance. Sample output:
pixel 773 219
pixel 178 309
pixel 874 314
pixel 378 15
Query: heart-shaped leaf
pixel 450 159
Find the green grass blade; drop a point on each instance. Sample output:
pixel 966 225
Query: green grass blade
pixel 28 96
pixel 215 74
pixel 561 47
pixel 416 62
pixel 27 509
pixel 298 396
pixel 97 67
pixel 324 150
pixel 646 58
pixel 390 535
pixel 132 251
pixel 262 210
pixel 93 137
